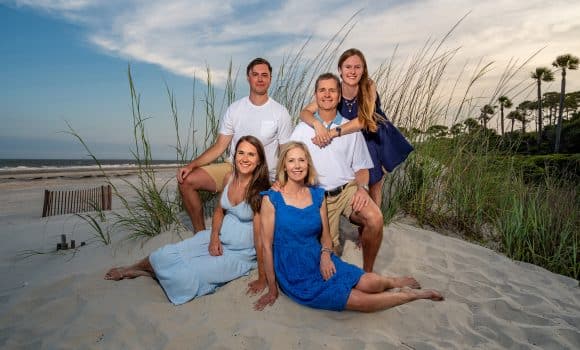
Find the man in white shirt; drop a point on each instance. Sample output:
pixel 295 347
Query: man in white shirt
pixel 342 168
pixel 257 115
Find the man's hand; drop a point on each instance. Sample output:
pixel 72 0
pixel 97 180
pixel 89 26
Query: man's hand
pixel 182 173
pixel 215 247
pixel 327 268
pixel 323 136
pixel 360 199
pixel 276 186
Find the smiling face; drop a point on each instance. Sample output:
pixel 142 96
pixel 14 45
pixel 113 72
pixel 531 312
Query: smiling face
pixel 327 94
pixel 296 164
pixel 259 78
pixel 351 70
pixel 247 158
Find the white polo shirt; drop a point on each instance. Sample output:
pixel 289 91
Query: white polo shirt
pixel 270 123
pixel 338 162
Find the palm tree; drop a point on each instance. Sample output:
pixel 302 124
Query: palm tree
pixel 570 104
pixel 504 102
pixel 563 62
pixel 550 101
pixel 539 75
pixel 514 115
pixel 471 125
pixel 486 111
pixel 523 108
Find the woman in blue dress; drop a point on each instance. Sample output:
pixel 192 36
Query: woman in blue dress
pixel 298 249
pixel 361 105
pixel 200 264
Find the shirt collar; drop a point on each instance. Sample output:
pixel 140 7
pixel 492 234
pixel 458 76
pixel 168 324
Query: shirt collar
pixel 337 120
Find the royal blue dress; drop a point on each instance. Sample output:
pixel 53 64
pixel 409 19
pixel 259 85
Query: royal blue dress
pixel 387 146
pixel 296 250
pixel 186 270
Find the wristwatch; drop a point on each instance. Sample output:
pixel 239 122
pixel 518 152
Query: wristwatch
pixel 338 130
pixel 366 187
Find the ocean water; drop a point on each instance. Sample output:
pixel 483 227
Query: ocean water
pixel 12 165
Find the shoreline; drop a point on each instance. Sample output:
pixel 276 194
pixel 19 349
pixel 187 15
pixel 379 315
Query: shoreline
pixel 74 173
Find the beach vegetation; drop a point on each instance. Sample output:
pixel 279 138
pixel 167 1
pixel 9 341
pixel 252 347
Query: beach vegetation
pixel 501 189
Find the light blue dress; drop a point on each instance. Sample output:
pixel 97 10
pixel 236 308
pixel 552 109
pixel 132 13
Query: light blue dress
pixel 186 270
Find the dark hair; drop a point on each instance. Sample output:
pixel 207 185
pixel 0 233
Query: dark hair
pixel 260 177
pixel 257 61
pixel 328 76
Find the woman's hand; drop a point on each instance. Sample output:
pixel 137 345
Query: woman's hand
pixel 327 268
pixel 322 137
pixel 215 247
pixel 266 299
pixel 256 287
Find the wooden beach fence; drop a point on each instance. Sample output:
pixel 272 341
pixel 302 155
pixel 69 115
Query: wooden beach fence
pixel 60 202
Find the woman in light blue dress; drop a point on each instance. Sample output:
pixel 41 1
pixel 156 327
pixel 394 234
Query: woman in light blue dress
pixel 200 264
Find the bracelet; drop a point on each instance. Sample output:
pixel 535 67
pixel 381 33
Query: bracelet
pixel 328 250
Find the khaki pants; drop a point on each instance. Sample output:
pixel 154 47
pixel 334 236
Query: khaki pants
pixel 218 171
pixel 337 206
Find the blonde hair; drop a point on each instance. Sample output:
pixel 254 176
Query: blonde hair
pixel 366 109
pixel 281 175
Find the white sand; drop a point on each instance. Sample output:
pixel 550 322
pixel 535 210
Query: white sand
pixel 55 301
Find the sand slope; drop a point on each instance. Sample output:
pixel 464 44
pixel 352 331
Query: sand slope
pixel 62 302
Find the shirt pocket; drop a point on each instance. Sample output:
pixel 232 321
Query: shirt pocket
pixel 268 129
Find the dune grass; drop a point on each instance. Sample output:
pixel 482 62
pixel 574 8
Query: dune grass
pixel 466 184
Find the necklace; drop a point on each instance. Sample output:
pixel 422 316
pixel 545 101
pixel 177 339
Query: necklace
pixel 349 104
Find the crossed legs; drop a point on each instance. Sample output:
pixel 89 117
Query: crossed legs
pixel 372 293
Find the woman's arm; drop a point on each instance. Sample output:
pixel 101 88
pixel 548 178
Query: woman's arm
pixel 258 285
pixel 267 216
pixel 356 124
pixel 215 245
pixel 327 268
pixel 322 137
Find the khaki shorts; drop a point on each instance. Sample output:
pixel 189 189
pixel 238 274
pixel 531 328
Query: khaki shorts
pixel 218 171
pixel 337 206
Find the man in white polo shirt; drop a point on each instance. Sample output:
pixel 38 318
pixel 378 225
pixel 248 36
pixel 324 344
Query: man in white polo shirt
pixel 342 168
pixel 257 115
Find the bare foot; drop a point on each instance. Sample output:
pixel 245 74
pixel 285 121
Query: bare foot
pixel 406 281
pixel 256 286
pixel 115 274
pixel 430 294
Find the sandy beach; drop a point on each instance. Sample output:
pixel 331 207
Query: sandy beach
pixel 61 301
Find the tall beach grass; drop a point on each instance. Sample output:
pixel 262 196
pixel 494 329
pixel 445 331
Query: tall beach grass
pixel 467 184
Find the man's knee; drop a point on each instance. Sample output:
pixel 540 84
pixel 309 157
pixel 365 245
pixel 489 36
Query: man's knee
pixel 187 185
pixel 197 180
pixel 373 218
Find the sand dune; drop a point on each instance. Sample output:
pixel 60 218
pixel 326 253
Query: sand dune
pixel 62 301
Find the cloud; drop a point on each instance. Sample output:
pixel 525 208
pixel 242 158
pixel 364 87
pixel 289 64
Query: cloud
pixel 184 36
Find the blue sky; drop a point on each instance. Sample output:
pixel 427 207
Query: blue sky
pixel 67 59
